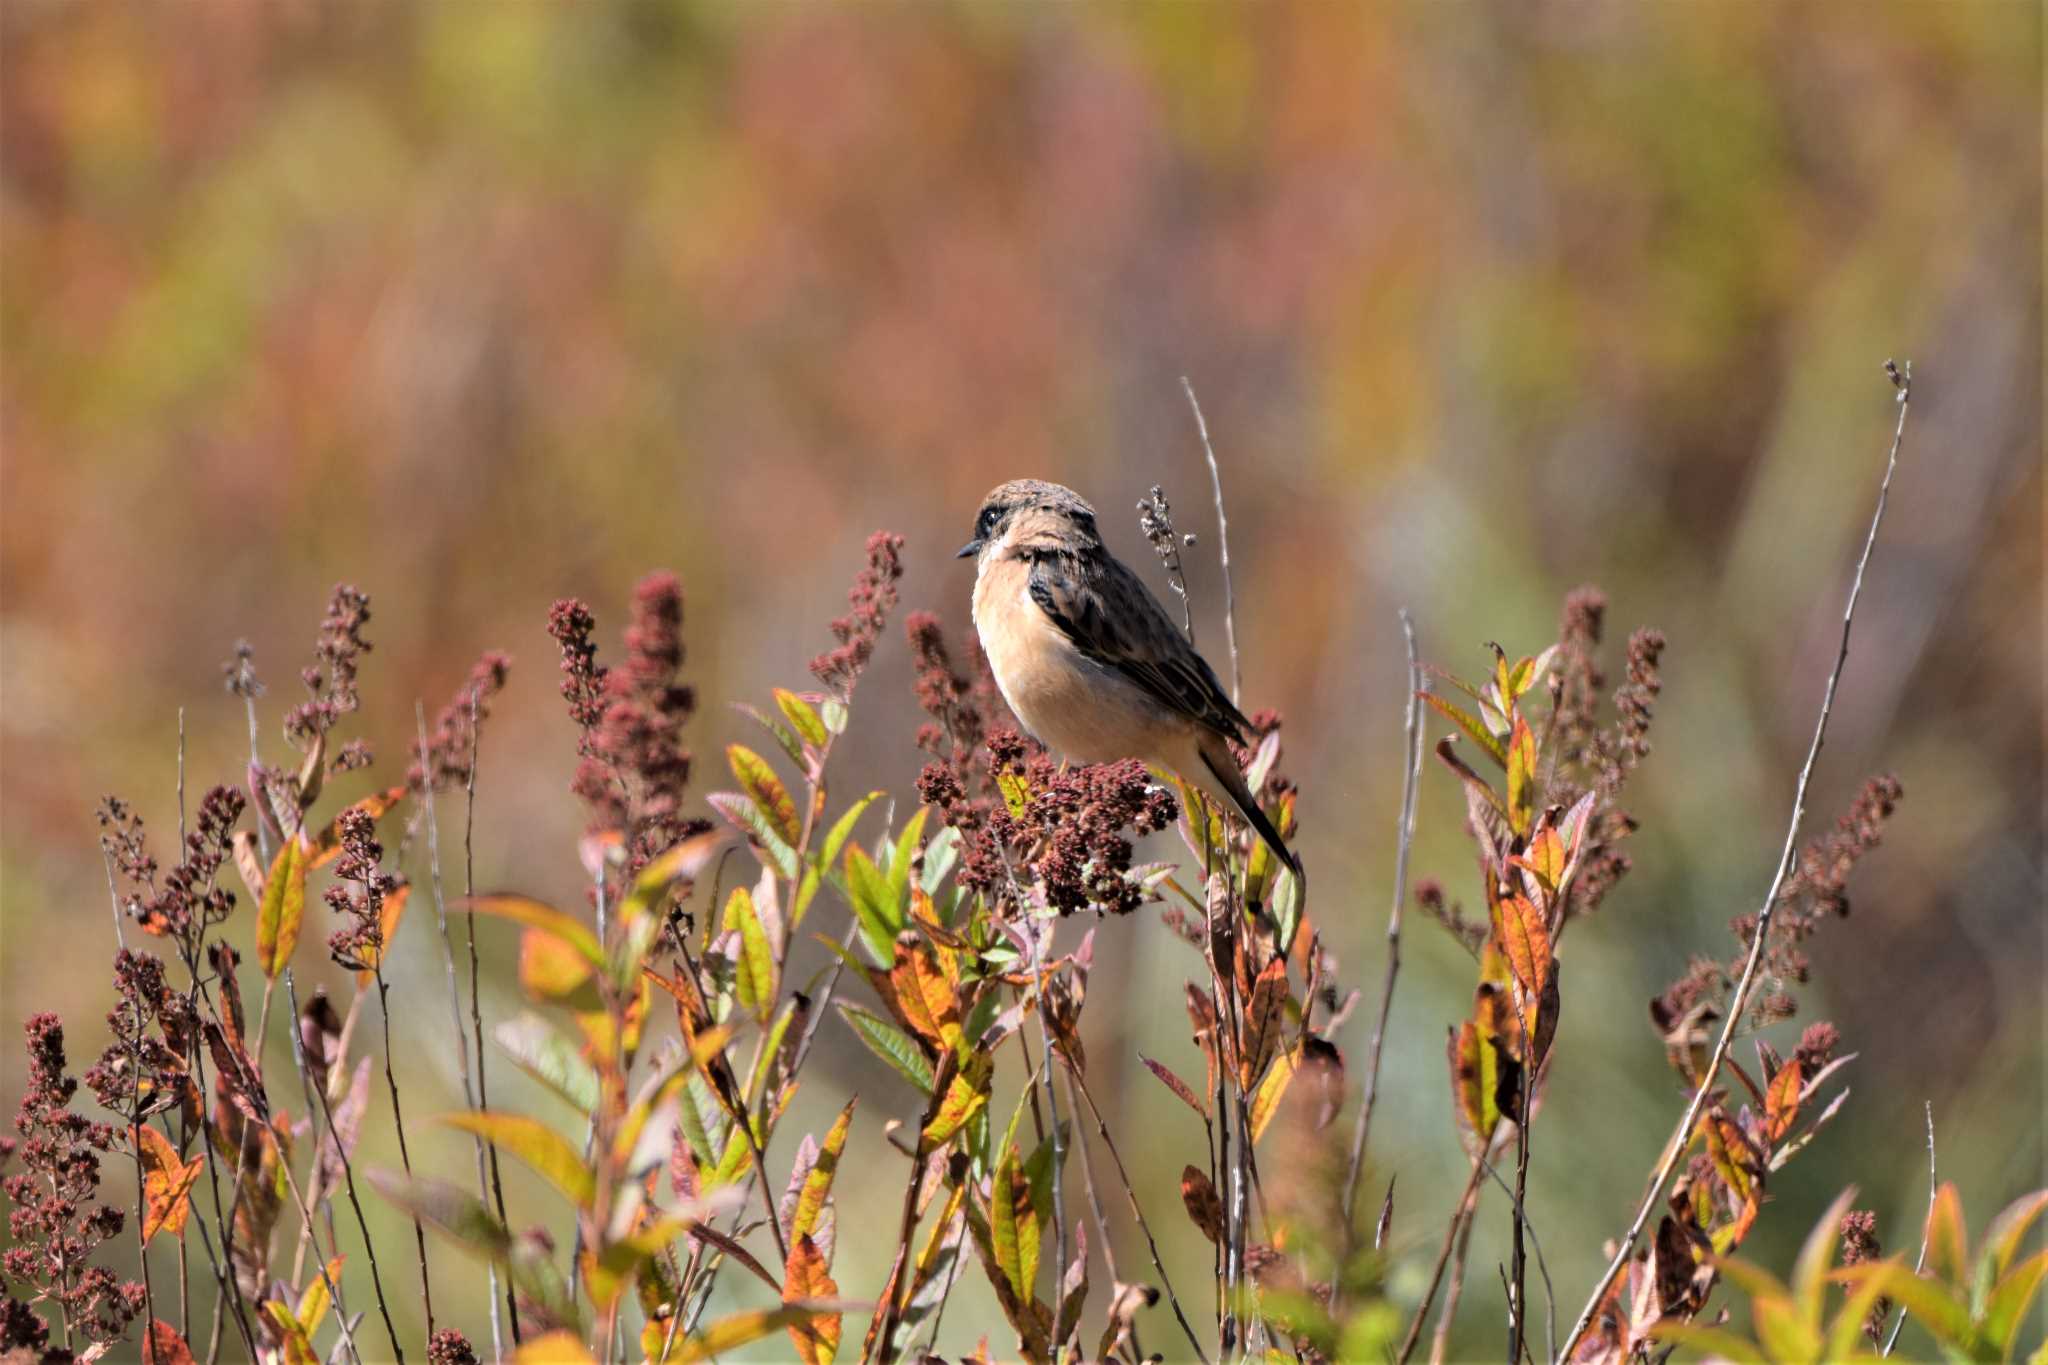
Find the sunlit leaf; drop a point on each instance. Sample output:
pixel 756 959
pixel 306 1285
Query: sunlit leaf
pixel 731 1332
pixel 164 1346
pixel 817 1186
pixel 881 916
pixel 1947 1242
pixel 1469 723
pixel 758 780
pixel 755 966
pixel 314 1299
pixel 556 1348
pixel 1273 1089
pixel 553 972
pixel 802 716
pixel 1521 776
pixel 2006 1307
pixel 1475 1082
pixel 450 1210
pixel 784 737
pixel 741 812
pixel 167 1183
pixel 889 1043
pixel 549 1058
pixel 967 1093
pixel 806 1276
pixel 537 915
pixel 282 909
pixel 536 1144
pixel 1013 1223
pixel 1525 940
pixel 1781 1101
pixel 325 847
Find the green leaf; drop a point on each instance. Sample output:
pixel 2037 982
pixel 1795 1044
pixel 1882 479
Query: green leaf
pixel 777 731
pixel 939 857
pixel 1816 1255
pixel 833 712
pixel 2006 1309
pixel 825 867
pixel 536 1144
pixel 802 717
pixel 451 1211
pixel 282 910
pixel 1934 1305
pixel 881 916
pixel 1013 1225
pixel 760 783
pixel 966 1095
pixel 536 915
pixel 905 852
pixel 1521 776
pixel 2007 1231
pixel 542 1053
pixel 743 814
pixel 1469 723
pixel 1709 1341
pixel 891 1044
pixel 756 964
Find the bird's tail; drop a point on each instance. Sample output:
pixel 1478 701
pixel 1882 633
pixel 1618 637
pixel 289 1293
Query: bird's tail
pixel 1216 757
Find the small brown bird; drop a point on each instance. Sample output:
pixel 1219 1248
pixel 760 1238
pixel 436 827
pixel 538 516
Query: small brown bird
pixel 1088 659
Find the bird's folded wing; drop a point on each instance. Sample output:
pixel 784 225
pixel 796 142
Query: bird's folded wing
pixel 1111 618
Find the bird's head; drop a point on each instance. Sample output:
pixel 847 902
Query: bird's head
pixel 1031 511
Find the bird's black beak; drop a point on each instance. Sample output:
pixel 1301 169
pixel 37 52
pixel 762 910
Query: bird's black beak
pixel 970 549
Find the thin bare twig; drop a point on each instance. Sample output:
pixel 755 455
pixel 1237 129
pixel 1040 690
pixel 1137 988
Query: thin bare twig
pixel 1165 1282
pixel 1459 1217
pixel 1739 1003
pixel 1222 539
pixel 1550 1296
pixel 1404 840
pixel 1920 1261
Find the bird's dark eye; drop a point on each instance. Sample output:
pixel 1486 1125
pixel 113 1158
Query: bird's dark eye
pixel 987 521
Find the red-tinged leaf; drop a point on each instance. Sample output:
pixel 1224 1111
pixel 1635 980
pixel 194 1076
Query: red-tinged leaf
pixel 817 1186
pixel 164 1346
pixel 758 780
pixel 966 1094
pixel 1521 776
pixel 806 1276
pixel 1198 1195
pixel 2005 1308
pixel 538 915
pixel 2002 1240
pixel 1947 1242
pixel 1781 1101
pixel 1526 942
pixel 298 1348
pixel 282 909
pixel 325 847
pixel 1545 860
pixel 924 996
pixel 704 1232
pixel 1470 724
pixel 1265 1020
pixel 1177 1086
pixel 167 1183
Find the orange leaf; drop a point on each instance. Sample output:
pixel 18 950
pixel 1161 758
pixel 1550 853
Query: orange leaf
pixel 164 1346
pixel 387 929
pixel 924 997
pixel 1781 1103
pixel 1525 940
pixel 806 1277
pixel 326 846
pixel 166 1184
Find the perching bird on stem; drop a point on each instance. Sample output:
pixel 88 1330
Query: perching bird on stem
pixel 1087 658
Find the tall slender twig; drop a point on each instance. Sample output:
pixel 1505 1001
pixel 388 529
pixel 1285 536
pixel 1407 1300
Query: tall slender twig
pixel 454 990
pixel 1138 1213
pixel 1459 1217
pixel 1404 840
pixel 1549 1295
pixel 1920 1261
pixel 1674 1149
pixel 419 1233
pixel 1222 538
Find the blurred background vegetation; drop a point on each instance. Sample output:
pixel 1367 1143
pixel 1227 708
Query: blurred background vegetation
pixel 481 305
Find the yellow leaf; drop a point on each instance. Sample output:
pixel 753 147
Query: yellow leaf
pixel 556 1348
pixel 1273 1089
pixel 283 907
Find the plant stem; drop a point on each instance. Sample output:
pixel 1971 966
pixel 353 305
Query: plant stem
pixel 1675 1148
